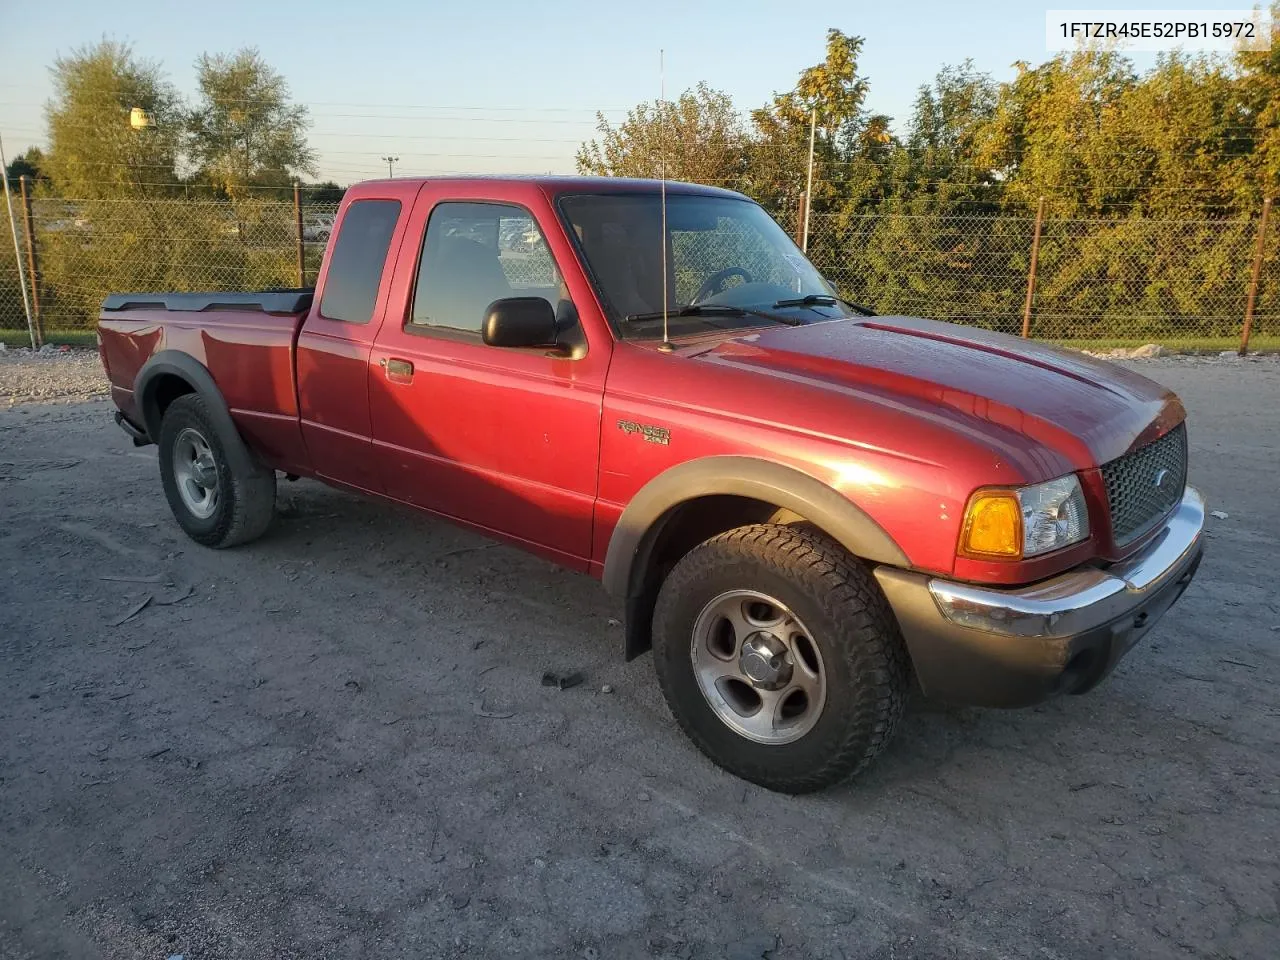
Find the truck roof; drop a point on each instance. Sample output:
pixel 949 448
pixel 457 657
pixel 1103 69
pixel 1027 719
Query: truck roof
pixel 560 184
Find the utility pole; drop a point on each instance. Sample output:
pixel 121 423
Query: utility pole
pixel 17 249
pixel 390 168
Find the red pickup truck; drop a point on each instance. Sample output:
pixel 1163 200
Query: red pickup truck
pixel 805 507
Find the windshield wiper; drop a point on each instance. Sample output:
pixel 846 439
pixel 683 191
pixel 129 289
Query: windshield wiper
pixel 691 310
pixel 825 299
pixel 713 310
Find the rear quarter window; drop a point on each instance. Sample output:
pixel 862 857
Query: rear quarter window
pixel 358 257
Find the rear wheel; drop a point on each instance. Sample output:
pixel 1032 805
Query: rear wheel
pixel 780 657
pixel 214 503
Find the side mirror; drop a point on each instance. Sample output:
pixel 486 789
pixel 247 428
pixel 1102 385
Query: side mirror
pixel 519 322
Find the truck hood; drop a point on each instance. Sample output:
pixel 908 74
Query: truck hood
pixel 1087 410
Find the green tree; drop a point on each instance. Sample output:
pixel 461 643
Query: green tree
pixel 244 131
pixel 327 193
pixel 114 130
pixel 948 118
pixel 1047 133
pixel 94 150
pixel 92 243
pixel 1257 93
pixel 851 146
pixel 1149 180
pixel 699 135
pixel 27 164
pixel 936 247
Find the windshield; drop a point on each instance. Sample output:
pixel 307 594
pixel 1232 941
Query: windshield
pixel 722 253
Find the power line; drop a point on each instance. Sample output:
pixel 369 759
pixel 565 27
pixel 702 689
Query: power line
pixel 496 108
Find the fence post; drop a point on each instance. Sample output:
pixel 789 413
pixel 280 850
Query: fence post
pixel 1252 299
pixel 1031 273
pixel 31 259
pixel 297 219
pixel 802 221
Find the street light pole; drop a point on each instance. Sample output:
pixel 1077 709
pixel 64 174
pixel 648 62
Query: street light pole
pixel 808 189
pixel 390 168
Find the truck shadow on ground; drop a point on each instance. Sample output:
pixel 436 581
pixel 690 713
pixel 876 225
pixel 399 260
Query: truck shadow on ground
pixel 1070 742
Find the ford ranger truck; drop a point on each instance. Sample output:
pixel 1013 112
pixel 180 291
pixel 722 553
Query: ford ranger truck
pixel 804 507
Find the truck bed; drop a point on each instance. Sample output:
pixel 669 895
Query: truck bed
pixel 247 342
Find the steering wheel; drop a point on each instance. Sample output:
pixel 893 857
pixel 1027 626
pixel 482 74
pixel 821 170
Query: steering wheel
pixel 715 283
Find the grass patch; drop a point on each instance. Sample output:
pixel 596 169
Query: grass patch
pixel 76 338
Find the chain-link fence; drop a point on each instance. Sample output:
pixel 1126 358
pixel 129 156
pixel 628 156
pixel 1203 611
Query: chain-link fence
pixel 85 249
pixel 1130 279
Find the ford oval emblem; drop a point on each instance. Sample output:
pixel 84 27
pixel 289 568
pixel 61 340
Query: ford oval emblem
pixel 1161 477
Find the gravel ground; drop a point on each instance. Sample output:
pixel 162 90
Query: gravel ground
pixel 336 745
pixel 50 376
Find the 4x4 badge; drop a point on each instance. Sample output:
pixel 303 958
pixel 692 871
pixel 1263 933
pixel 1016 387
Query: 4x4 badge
pixel 651 433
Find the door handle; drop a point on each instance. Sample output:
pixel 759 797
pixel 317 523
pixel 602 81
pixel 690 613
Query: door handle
pixel 398 370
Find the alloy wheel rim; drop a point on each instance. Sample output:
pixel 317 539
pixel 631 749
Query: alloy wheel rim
pixel 758 667
pixel 196 473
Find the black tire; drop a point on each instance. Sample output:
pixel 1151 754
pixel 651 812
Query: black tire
pixel 245 500
pixel 866 666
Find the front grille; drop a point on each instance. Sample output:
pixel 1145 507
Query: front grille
pixel 1143 486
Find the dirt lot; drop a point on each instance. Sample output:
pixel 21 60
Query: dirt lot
pixel 338 746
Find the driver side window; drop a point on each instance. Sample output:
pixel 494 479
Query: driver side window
pixel 474 254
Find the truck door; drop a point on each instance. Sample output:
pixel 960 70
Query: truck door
pixel 506 439
pixel 337 336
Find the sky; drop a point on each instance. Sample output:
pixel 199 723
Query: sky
pixel 504 86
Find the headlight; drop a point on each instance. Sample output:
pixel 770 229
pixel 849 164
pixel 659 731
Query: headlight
pixel 1023 522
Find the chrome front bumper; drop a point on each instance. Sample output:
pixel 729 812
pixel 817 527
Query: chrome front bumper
pixel 1011 647
pixel 1081 599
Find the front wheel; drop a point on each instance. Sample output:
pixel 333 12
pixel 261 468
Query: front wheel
pixel 214 503
pixel 779 657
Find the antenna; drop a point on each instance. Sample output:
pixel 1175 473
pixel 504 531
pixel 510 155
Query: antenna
pixel 662 150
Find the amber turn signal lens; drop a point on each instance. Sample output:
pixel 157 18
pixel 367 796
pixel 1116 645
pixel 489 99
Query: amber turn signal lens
pixel 992 526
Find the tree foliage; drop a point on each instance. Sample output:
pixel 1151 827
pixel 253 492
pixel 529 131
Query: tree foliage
pixel 242 135
pixel 699 137
pixel 29 164
pixel 1191 137
pixel 244 131
pixel 1152 180
pixel 327 193
pixel 1152 183
pixel 94 151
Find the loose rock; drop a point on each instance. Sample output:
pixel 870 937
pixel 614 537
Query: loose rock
pixel 563 681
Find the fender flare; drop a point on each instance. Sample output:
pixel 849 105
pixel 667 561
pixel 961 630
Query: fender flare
pixel 190 370
pixel 627 560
